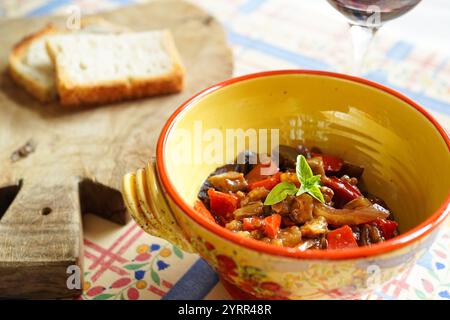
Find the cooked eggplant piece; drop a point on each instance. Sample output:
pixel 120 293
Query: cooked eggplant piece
pixel 243 168
pixel 314 227
pixel 302 208
pixel 203 193
pixel 375 200
pixel 283 207
pixel 251 209
pixel 351 217
pixel 257 194
pixel 250 160
pixel 367 234
pixel 351 170
pixel 287 156
pixel 231 181
pixel 359 202
pixel 316 164
pixel 313 150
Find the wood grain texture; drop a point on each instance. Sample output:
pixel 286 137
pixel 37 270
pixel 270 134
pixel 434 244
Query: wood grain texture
pixel 81 154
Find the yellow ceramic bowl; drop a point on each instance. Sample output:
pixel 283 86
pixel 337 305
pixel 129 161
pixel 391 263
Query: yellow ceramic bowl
pixel 403 149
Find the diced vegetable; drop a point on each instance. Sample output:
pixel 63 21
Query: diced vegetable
pixel 234 225
pixel 367 234
pixel 286 221
pixel 341 238
pixel 250 209
pixel 316 164
pixel 261 171
pixel 257 194
pixel 244 168
pixel 328 194
pixel 314 227
pixel 272 225
pixel 290 237
pixel 203 211
pixel 307 200
pixel 268 184
pixel 302 208
pixel 288 155
pixel 222 203
pixel 230 181
pixel 375 234
pixel 290 177
pixel 376 200
pixel 352 170
pixel 340 217
pixel 315 243
pixel 331 164
pixel 343 191
pixel 358 203
pixel 283 207
pixel 252 223
pixel 387 227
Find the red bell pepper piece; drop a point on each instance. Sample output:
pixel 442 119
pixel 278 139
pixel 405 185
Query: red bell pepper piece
pixel 268 183
pixel 252 223
pixel 222 203
pixel 341 238
pixel 331 164
pixel 199 206
pixel 387 227
pixel 256 175
pixel 272 225
pixel 343 191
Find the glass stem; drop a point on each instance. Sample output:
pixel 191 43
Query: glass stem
pixel 361 37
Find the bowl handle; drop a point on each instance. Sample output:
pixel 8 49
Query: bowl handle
pixel 147 205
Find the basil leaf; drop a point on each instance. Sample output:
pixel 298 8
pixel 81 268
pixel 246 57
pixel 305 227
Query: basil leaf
pixel 315 180
pixel 316 193
pixel 280 192
pixel 303 169
pixel 308 183
pixel 301 191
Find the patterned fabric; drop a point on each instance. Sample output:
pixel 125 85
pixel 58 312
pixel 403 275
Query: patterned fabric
pixel 125 263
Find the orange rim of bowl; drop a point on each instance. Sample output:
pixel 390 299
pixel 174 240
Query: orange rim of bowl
pixel 398 242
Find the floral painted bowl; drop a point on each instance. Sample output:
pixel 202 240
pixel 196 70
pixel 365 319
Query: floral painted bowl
pixel 404 150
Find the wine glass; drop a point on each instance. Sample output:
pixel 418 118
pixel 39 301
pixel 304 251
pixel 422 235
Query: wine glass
pixel 365 18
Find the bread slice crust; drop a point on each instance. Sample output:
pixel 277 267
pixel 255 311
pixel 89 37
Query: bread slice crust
pixel 42 92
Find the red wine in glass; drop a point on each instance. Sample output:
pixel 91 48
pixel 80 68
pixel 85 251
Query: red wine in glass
pixel 360 11
pixel 366 17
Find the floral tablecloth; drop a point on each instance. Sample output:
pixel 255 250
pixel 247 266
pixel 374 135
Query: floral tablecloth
pixel 122 262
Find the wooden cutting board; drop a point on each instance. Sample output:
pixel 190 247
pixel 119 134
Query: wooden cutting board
pixel 75 158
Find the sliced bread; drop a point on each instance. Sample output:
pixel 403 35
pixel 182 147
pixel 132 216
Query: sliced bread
pixel 102 68
pixel 31 67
